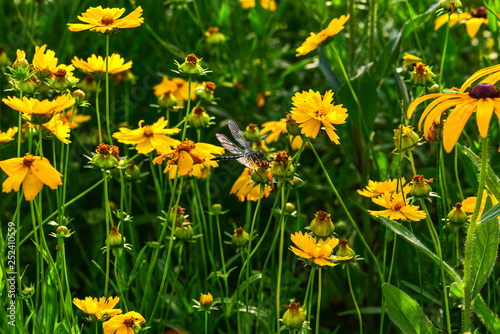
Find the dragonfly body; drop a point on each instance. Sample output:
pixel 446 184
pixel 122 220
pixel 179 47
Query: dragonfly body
pixel 245 156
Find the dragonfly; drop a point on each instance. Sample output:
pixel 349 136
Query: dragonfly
pixel 245 156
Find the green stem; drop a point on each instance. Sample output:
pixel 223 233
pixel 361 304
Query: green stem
pixel 351 220
pixel 223 263
pixel 280 263
pixel 97 111
pixel 422 53
pixel 456 174
pixel 443 56
pixel 318 309
pixel 206 322
pixel 311 292
pixel 108 228
pixel 108 123
pixel 469 242
pixel 354 300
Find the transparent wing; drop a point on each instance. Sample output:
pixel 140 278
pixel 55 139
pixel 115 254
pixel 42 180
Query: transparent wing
pixel 238 135
pixel 247 161
pixel 229 145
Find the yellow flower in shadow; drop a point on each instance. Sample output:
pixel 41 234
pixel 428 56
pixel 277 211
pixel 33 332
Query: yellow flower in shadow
pixel 178 87
pixel 277 128
pixel 8 135
pixel 98 307
pixel 123 323
pixel 33 172
pixel 106 20
pixel 245 189
pixel 96 65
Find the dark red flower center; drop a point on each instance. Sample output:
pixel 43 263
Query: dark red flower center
pixel 483 91
pixel 480 12
pixel 107 20
pixel 60 73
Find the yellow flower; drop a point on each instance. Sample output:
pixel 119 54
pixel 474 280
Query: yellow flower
pixel 177 86
pixel 277 128
pixel 376 188
pixel 106 20
pixel 315 40
pixel 469 203
pixel 20 60
pixel 472 20
pixel 313 110
pixel 44 60
pixel 43 110
pixel 123 323
pixel 266 4
pixel 8 135
pixel 98 307
pixel 396 208
pixel 410 60
pixel 56 126
pixel 149 137
pixel 483 99
pixel 189 158
pixel 74 118
pixel 311 250
pixel 33 172
pixel 244 189
pixel 96 66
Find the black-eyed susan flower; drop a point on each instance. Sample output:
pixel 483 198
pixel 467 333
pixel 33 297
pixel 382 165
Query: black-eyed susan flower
pixel 96 65
pixel 8 135
pixel 311 111
pixel 473 20
pixel 127 323
pixel 410 60
pixel 44 61
pixel 33 172
pixel 189 158
pixel 377 188
pixel 59 128
pixel 322 225
pixel 266 4
pixel 245 189
pixel 312 251
pixel 106 20
pixel 314 40
pixel 396 208
pixel 294 317
pixel 98 307
pixel 39 111
pixel 149 137
pixel 482 100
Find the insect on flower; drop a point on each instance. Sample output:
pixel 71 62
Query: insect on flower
pixel 245 156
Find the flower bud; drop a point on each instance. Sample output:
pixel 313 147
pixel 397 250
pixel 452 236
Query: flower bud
pixel 115 239
pixel 79 95
pixel 184 231
pixel 294 317
pixel 199 118
pixel 178 216
pixel 167 100
pixel 206 91
pixel 62 230
pixel 132 172
pixel 322 225
pixel 280 164
pixel 20 62
pixel 28 291
pixel 191 67
pixel 434 89
pixel 252 133
pixel 451 4
pixel 206 300
pixel 216 208
pixel 457 216
pixel 344 249
pixel 419 187
pixel 407 140
pixel 240 237
pixel 214 36
pixel 289 207
pixel 261 174
pixel 106 157
pixel 291 126
pixel 422 75
pixel 27 86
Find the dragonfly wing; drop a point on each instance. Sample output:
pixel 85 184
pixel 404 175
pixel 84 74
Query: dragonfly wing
pixel 238 135
pixel 229 145
pixel 247 161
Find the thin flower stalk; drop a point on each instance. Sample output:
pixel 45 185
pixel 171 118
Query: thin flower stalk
pixel 354 301
pixel 443 56
pixel 108 123
pixel 280 257
pixel 318 308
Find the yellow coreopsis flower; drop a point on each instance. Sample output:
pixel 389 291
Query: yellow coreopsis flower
pixel 311 110
pixel 98 307
pixel 397 208
pixel 58 128
pixel 315 40
pixel 149 137
pixel 44 60
pixel 8 135
pixel 178 87
pixel 482 100
pixel 74 118
pixel 33 172
pixel 44 109
pixel 266 4
pixel 318 252
pixel 277 128
pixel 189 158
pixel 106 20
pixel 376 188
pixel 473 20
pixel 96 65
pixel 469 203
pixel 245 189
pixel 123 323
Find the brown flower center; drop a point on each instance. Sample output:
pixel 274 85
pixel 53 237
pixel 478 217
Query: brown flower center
pixel 212 30
pixel 322 215
pixel 458 206
pixel 420 69
pixel 107 20
pixel 239 231
pixel 89 79
pixel 105 149
pixel 294 306
pixel 480 12
pixel 210 86
pixel 343 242
pixel 282 157
pixel 198 111
pixel 28 160
pixel 60 73
pixel 398 206
pixel 187 146
pixel 129 322
pixel 319 113
pixel 483 91
pixel 148 131
pixel 192 59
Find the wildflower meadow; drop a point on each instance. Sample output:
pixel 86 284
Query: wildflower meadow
pixel 249 166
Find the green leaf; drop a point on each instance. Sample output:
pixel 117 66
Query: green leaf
pixel 405 312
pixel 492 180
pixel 485 250
pixel 410 237
pixel 489 318
pixel 492 214
pixel 324 65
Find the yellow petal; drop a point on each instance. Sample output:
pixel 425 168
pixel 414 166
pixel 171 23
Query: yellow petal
pixel 483 115
pixel 47 174
pixel 472 25
pixel 185 163
pixel 455 124
pixel 31 186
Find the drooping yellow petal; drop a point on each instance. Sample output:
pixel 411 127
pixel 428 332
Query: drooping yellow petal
pixel 473 24
pixel 31 186
pixel 47 174
pixel 454 126
pixel 483 115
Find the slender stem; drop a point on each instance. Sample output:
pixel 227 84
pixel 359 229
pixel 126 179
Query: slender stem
pixel 318 309
pixel 392 257
pixel 223 263
pixel 443 56
pixel 469 242
pixel 108 126
pixel 354 300
pixel 346 211
pixel 206 322
pixel 97 111
pixel 310 296
pixel 456 174
pixel 419 270
pixel 280 263
pixel 108 228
